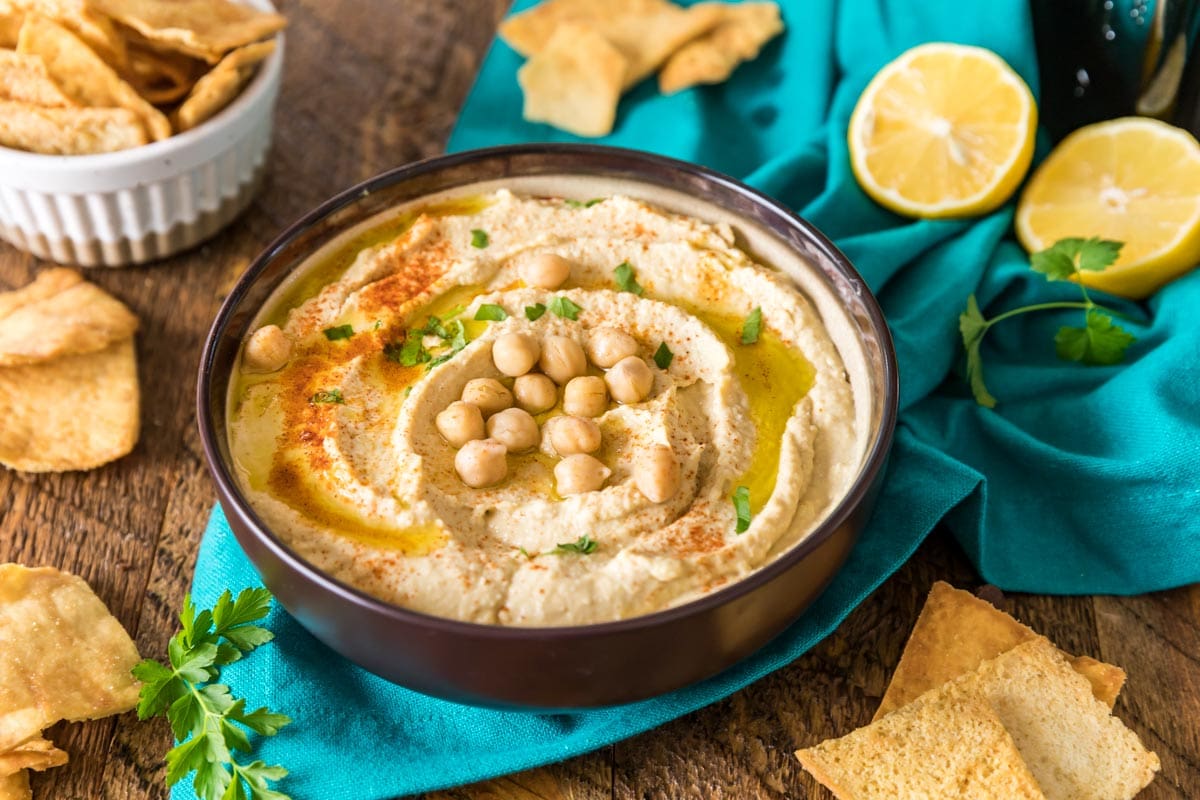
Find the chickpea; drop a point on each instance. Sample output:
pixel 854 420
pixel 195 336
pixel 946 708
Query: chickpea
pixel 607 346
pixel 515 429
pixel 546 271
pixel 515 353
pixel 571 435
pixel 267 349
pixel 535 393
pixel 488 394
pixel 656 473
pixel 630 380
pixel 580 473
pixel 460 423
pixel 562 359
pixel 481 462
pixel 585 397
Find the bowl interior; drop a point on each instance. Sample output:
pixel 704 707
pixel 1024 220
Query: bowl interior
pixel 769 232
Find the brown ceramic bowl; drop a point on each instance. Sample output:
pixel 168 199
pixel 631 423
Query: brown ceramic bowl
pixel 579 666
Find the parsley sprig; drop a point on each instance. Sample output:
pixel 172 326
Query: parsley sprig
pixel 585 545
pixel 1099 342
pixel 206 719
pixel 412 351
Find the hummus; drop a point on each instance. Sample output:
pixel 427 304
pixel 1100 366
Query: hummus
pixel 336 439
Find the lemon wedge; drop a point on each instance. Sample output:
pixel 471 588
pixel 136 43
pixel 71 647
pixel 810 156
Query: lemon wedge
pixel 945 130
pixel 1135 180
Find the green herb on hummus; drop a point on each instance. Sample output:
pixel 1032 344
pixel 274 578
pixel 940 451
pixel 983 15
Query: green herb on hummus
pixel 479 238
pixel 663 356
pixel 741 505
pixel 564 307
pixel 1100 342
pixel 339 332
pixel 534 312
pixel 328 396
pixel 490 312
pixel 412 351
pixel 583 203
pixel 584 545
pixel 204 715
pixel 752 327
pixel 626 280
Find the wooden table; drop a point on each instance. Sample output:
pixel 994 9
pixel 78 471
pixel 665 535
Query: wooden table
pixel 369 86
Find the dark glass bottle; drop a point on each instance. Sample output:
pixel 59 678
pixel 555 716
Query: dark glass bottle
pixel 1099 59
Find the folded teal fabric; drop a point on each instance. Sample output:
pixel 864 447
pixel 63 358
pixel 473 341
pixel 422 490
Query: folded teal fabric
pixel 1082 480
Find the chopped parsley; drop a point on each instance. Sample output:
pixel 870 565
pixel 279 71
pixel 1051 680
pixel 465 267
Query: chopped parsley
pixel 663 356
pixel 328 396
pixel 490 312
pixel 479 238
pixel 534 312
pixel 563 307
pixel 584 545
pixel 752 327
pixel 339 332
pixel 412 350
pixel 583 203
pixel 741 505
pixel 626 281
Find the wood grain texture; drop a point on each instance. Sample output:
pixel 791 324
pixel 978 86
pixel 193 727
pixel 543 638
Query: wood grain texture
pixel 368 86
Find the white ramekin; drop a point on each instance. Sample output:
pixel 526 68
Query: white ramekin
pixel 145 203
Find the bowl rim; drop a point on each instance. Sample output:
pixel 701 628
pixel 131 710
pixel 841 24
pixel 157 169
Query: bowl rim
pixel 874 459
pixel 212 129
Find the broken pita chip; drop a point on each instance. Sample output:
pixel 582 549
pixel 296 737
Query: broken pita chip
pixel 37 754
pixel 83 76
pixel 574 83
pixel 206 29
pixel 48 283
pixel 646 32
pixel 216 89
pixel 949 748
pixel 68 131
pixel 24 79
pixel 62 654
pixel 954 634
pixel 162 78
pixel 72 413
pixel 15 786
pixel 81 319
pixel 96 30
pixel 711 58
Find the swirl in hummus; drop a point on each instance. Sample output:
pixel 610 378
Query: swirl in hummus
pixel 340 426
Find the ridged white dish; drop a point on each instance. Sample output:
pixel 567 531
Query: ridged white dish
pixel 145 203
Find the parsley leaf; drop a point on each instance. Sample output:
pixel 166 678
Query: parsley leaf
pixel 563 307
pixel 752 327
pixel 584 545
pixel 456 336
pixel 479 238
pixel 663 356
pixel 413 351
pixel 1099 342
pixel 328 396
pixel 491 312
pixel 583 203
pixel 534 312
pixel 206 719
pixel 339 332
pixel 741 506
pixel 626 281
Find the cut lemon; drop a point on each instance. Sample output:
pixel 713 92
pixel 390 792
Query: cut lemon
pixel 1135 180
pixel 945 130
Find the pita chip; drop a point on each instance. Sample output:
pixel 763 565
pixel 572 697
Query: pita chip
pixel 62 654
pixel 216 89
pixel 10 24
pixel 711 58
pixel 80 319
pixel 24 79
pixel 84 76
pixel 37 754
pixel 15 786
pixel 574 82
pixel 206 29
pixel 955 633
pixel 161 78
pixel 68 131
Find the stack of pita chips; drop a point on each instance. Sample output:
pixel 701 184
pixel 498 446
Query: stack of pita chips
pixel 584 54
pixel 68 375
pixel 981 707
pixel 63 656
pixel 92 76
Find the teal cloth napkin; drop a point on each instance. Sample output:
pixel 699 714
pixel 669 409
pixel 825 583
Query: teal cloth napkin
pixel 1083 480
